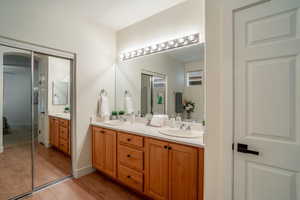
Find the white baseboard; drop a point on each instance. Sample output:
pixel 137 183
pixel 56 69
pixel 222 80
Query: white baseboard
pixel 1 149
pixel 83 171
pixel 47 145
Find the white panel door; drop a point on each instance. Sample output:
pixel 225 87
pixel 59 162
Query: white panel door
pixel 267 101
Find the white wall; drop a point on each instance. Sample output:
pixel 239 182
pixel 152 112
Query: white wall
pixel 180 20
pixel 50 23
pixel 1 100
pixel 58 70
pixel 129 78
pixel 17 95
pixel 195 93
pixel 213 150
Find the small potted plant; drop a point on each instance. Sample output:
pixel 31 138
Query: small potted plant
pixel 189 107
pixel 121 112
pixel 114 115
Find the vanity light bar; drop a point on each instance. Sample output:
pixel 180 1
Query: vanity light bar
pixel 164 46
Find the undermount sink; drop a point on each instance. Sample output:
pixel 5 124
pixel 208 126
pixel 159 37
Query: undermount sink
pixel 65 115
pixel 181 133
pixel 62 114
pixel 114 122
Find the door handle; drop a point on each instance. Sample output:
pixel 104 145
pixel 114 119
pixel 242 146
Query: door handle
pixel 243 148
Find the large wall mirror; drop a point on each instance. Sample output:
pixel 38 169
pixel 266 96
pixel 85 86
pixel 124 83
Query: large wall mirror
pixel 170 82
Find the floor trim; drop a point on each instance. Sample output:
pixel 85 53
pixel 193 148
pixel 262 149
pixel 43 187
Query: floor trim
pixel 21 196
pixel 83 171
pixel 47 185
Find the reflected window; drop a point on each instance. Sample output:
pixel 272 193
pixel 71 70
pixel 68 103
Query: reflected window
pixel 194 78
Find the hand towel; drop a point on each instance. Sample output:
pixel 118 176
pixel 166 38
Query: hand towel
pixel 103 106
pixel 128 105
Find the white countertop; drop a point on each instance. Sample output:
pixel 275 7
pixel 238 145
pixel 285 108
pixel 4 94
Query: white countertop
pixel 61 115
pixel 153 132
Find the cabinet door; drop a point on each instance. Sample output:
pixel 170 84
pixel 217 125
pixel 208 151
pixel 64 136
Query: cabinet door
pixel 51 130
pixel 55 132
pixel 98 150
pixel 156 169
pixel 110 162
pixel 183 176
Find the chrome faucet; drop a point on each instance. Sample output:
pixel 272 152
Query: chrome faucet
pixel 182 126
pixel 188 128
pixel 185 127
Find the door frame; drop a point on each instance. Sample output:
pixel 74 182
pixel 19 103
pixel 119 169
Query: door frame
pixel 45 50
pixel 229 9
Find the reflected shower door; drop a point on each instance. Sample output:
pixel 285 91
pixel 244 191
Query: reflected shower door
pixel 16 123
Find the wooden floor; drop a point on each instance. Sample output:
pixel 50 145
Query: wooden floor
pixel 16 168
pixel 50 165
pixel 90 187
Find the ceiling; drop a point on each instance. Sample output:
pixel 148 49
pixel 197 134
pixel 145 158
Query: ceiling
pixel 119 14
pixel 188 54
pixel 116 14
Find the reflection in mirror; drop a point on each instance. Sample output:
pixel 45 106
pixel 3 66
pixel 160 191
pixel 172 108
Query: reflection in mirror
pixel 169 83
pixel 16 126
pixel 35 133
pixel 52 136
pixel 153 93
pixel 60 93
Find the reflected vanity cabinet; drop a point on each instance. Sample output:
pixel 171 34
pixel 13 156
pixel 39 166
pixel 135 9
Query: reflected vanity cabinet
pixel 156 168
pixel 59 134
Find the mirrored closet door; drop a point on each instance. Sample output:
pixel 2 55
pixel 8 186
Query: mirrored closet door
pixel 16 122
pixel 35 130
pixel 52 122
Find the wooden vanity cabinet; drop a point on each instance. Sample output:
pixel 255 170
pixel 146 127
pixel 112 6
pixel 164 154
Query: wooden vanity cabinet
pixel 183 171
pixel 158 169
pixel 54 131
pixel 171 170
pixel 104 151
pixel 59 133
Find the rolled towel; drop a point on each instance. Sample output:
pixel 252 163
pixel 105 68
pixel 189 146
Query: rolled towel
pixel 103 106
pixel 128 105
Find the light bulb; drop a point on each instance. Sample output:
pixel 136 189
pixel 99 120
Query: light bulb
pixel 171 43
pixel 191 37
pixel 181 40
pixel 154 47
pixel 140 52
pixel 162 45
pixel 122 56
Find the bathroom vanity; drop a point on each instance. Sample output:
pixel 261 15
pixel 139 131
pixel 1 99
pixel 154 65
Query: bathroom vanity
pixel 59 132
pixel 158 166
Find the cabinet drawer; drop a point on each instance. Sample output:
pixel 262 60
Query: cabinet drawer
pixel 64 146
pixel 64 123
pixel 131 178
pixel 130 139
pixel 102 130
pixel 64 133
pixel 131 158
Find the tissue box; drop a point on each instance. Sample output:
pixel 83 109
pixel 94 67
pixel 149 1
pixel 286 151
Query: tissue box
pixel 159 120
